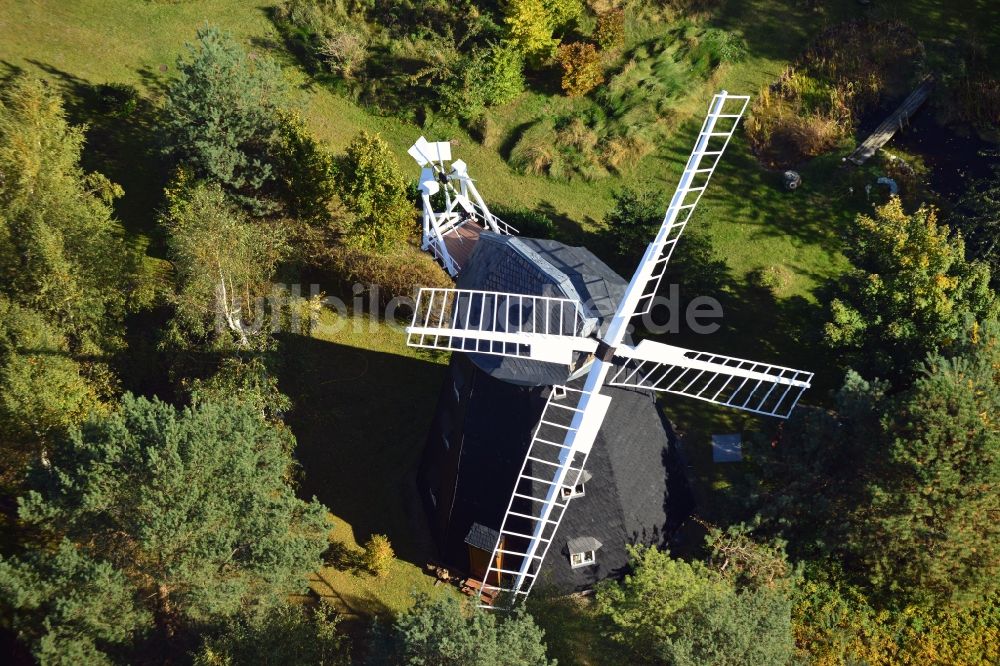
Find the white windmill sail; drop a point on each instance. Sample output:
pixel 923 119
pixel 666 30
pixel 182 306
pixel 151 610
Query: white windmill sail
pixel 554 329
pixel 761 388
pixel 544 328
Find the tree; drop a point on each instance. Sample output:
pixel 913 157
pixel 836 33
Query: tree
pixel 676 612
pixel 305 171
pixel 245 381
pixel 814 476
pixel 581 68
pixel 289 633
pixel 226 118
pixel 43 392
pixel 443 633
pixel 222 116
pixel 933 535
pixel 224 265
pixel 374 190
pixel 632 224
pixel 529 25
pixel 69 608
pixel 193 507
pixel 489 77
pixel 61 252
pixel 910 292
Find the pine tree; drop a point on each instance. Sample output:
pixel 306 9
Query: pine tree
pixel 228 120
pixel 933 534
pixel 192 507
pixel 69 608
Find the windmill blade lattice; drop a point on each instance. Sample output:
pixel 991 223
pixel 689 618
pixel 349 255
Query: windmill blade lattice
pixel 761 388
pixel 718 128
pixel 555 459
pixel 502 324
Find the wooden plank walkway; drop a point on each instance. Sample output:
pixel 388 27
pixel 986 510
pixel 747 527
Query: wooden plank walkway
pixel 461 241
pixel 892 124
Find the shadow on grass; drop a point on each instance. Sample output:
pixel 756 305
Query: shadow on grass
pixel 360 418
pixel 125 147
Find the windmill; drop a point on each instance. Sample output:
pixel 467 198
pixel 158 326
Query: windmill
pixel 463 203
pixel 564 331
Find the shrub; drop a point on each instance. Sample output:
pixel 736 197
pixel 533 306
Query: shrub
pixel 489 77
pixel 581 68
pixel 118 100
pixel 398 274
pixel 372 187
pixel 527 221
pixel 344 50
pixel 307 170
pixel 485 130
pixel 773 279
pixel 378 554
pixel 530 27
pixel 610 32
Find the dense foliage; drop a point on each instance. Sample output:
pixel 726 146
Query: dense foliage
pixel 188 515
pixel 288 633
pixel 61 252
pixel 227 119
pixel 224 266
pixel 446 633
pixel 374 190
pixel 977 217
pixel 910 292
pixel 734 610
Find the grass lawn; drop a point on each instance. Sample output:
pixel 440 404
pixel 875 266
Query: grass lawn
pixel 363 403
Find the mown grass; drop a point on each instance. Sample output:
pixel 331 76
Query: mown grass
pixel 363 402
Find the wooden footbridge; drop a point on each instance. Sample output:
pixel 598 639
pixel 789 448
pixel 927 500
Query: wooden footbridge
pixel 895 122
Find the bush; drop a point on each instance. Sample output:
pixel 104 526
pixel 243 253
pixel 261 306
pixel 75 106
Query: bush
pixel 489 77
pixel 445 632
pixel 118 100
pixel 378 554
pixel 344 50
pixel 527 221
pixel 306 177
pixel 530 27
pixel 581 68
pixel 398 274
pixel 610 32
pixel 372 187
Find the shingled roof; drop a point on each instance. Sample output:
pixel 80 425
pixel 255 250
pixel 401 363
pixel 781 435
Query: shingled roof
pixel 540 267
